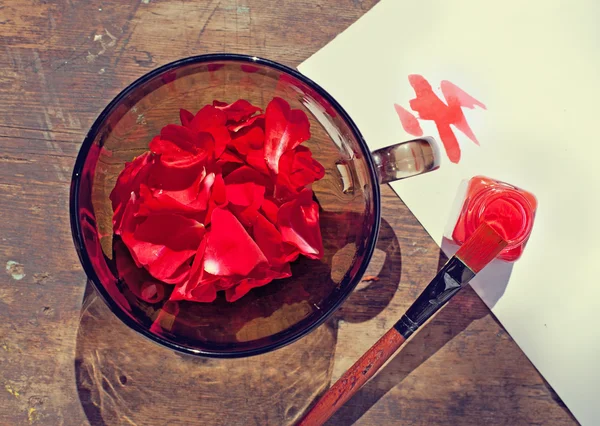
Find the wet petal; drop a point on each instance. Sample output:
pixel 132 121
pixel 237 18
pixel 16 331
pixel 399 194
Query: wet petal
pixel 247 139
pixel 200 287
pixel 218 197
pixel 256 159
pixel 230 157
pixel 298 169
pixel 270 209
pixel 163 244
pixel 181 147
pixel 212 121
pixel 256 121
pixel 298 221
pixel 237 111
pixel 181 191
pixel 185 117
pixel 285 129
pixel 229 248
pixel 245 187
pixel 269 240
pixel 208 117
pixel 129 180
pixel 138 280
pixel 261 277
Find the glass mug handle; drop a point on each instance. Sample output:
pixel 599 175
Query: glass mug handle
pixel 406 159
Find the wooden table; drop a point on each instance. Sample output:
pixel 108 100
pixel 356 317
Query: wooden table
pixel 64 359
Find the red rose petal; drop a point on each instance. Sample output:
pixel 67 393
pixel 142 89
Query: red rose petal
pixel 244 286
pixel 129 223
pixel 184 137
pixel 164 243
pixel 219 193
pixel 218 197
pixel 229 161
pixel 256 159
pixel 174 179
pixel 238 111
pixel 186 195
pixel 185 117
pixel 256 121
pixel 246 194
pixel 291 252
pixel 180 147
pixel 298 221
pixel 245 187
pixel 129 180
pixel 173 155
pixel 200 287
pixel 270 210
pixel 262 276
pixel 298 169
pixel 285 129
pixel 269 240
pixel 247 139
pixel 205 191
pixel 227 282
pixel 245 174
pixel 230 157
pixel 203 293
pixel 222 139
pixel 229 248
pixel 246 215
pixel 212 120
pixel 175 191
pixel 138 280
pixel 208 117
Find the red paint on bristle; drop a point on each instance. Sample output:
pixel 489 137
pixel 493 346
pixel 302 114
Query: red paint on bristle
pixel 481 248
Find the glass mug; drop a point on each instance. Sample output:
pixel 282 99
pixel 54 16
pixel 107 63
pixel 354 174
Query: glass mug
pixel 284 310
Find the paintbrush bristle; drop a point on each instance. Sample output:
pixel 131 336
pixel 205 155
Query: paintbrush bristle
pixel 481 248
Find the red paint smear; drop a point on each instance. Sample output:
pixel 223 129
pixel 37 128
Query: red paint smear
pixel 430 107
pixel 409 122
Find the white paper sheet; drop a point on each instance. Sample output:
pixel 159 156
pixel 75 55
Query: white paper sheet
pixel 536 67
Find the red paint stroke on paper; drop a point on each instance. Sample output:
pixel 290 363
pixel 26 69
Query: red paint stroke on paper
pixel 430 107
pixel 409 121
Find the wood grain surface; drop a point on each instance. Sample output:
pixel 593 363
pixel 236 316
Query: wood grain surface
pixel 66 360
pixel 353 379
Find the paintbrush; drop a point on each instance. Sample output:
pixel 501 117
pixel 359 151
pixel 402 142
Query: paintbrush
pixel 479 250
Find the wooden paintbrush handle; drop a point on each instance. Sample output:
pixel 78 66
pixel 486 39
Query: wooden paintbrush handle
pixel 353 379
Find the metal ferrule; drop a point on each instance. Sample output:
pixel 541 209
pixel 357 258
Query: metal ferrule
pixel 451 278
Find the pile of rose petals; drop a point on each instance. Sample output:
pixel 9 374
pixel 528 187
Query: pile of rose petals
pixel 221 202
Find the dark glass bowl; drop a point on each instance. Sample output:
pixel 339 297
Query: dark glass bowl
pixel 267 317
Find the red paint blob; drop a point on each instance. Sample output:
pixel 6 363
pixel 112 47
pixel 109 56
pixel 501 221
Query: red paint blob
pixel 429 106
pixel 409 122
pixel 506 208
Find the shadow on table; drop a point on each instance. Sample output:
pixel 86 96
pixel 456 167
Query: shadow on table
pixel 456 316
pixel 123 378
